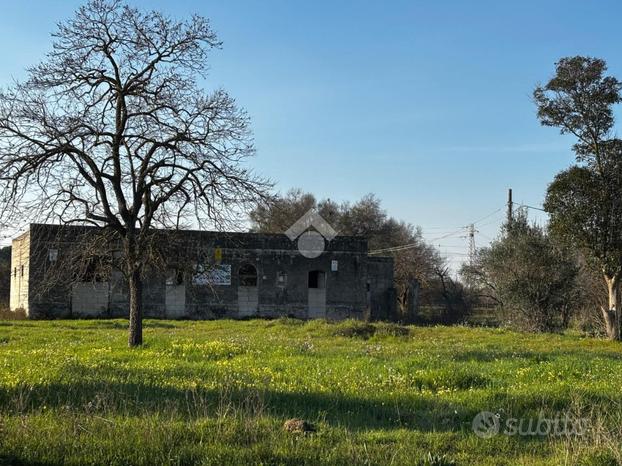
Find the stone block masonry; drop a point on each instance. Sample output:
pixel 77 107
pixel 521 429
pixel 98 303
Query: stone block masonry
pixel 206 275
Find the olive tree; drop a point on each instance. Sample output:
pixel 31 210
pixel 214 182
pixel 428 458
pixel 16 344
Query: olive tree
pixel 585 201
pixel 531 277
pixel 112 129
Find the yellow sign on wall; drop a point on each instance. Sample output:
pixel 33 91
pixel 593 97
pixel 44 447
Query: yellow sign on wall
pixel 218 255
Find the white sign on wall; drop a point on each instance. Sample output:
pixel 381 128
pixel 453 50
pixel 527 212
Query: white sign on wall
pixel 219 274
pixel 334 266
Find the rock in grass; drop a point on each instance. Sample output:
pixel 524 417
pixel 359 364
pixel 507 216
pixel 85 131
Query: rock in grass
pixel 298 426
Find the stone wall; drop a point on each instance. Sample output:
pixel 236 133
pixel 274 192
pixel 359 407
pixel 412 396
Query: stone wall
pixel 382 297
pixel 20 271
pixel 202 278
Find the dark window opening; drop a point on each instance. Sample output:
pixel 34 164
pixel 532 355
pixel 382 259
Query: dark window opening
pixel 317 279
pixel 175 277
pixel 248 275
pixel 95 269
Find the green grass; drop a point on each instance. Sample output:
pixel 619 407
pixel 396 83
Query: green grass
pixel 218 393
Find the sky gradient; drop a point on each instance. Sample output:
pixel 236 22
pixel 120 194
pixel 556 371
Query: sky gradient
pixel 426 104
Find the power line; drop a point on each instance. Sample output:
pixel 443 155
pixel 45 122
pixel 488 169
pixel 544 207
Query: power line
pixel 489 223
pixel 487 216
pixel 448 235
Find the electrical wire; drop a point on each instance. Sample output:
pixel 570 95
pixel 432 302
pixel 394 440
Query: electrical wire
pixel 448 235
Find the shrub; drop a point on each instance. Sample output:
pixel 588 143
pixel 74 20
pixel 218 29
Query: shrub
pixel 534 279
pixel 391 329
pixel 365 330
pixel 17 314
pixel 354 329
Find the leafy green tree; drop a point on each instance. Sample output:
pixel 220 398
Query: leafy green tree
pixel 533 279
pixel 585 201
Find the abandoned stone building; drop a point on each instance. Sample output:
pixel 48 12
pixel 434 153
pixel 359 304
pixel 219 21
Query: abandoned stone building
pixel 207 275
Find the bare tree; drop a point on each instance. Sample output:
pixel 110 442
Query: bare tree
pixel 113 130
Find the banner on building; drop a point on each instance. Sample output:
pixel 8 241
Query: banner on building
pixel 213 275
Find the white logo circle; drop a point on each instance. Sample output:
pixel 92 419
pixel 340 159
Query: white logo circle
pixel 311 244
pixel 486 424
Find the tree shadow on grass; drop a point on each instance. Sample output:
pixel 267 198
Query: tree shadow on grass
pixel 117 391
pixel 422 413
pixel 10 460
pixel 109 398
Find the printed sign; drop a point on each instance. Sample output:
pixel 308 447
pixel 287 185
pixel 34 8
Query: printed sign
pixel 219 274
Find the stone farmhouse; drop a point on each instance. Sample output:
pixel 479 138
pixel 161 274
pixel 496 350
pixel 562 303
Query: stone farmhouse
pixel 205 275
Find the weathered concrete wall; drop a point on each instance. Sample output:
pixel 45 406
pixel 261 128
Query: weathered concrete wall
pixel 20 271
pixel 382 299
pixel 90 299
pixel 282 278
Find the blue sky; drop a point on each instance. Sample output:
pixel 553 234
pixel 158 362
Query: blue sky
pixel 426 104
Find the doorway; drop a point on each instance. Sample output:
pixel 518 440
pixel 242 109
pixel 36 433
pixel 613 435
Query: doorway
pixel 248 296
pixel 175 298
pixel 317 295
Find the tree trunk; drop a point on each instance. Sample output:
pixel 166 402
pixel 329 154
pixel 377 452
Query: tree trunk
pixel 612 314
pixel 136 308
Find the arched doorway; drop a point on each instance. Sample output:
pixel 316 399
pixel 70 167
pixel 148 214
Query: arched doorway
pixel 316 284
pixel 248 296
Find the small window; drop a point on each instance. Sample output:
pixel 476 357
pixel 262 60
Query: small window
pixel 248 275
pixel 14 271
pixel 22 271
pixel 53 255
pixel 317 279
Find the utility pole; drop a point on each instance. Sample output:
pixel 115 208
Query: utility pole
pixel 510 214
pixel 471 235
pixel 472 251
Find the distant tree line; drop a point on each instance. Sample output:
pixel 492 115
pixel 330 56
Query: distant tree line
pixel 419 263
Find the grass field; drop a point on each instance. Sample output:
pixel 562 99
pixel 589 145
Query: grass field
pixel 219 392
